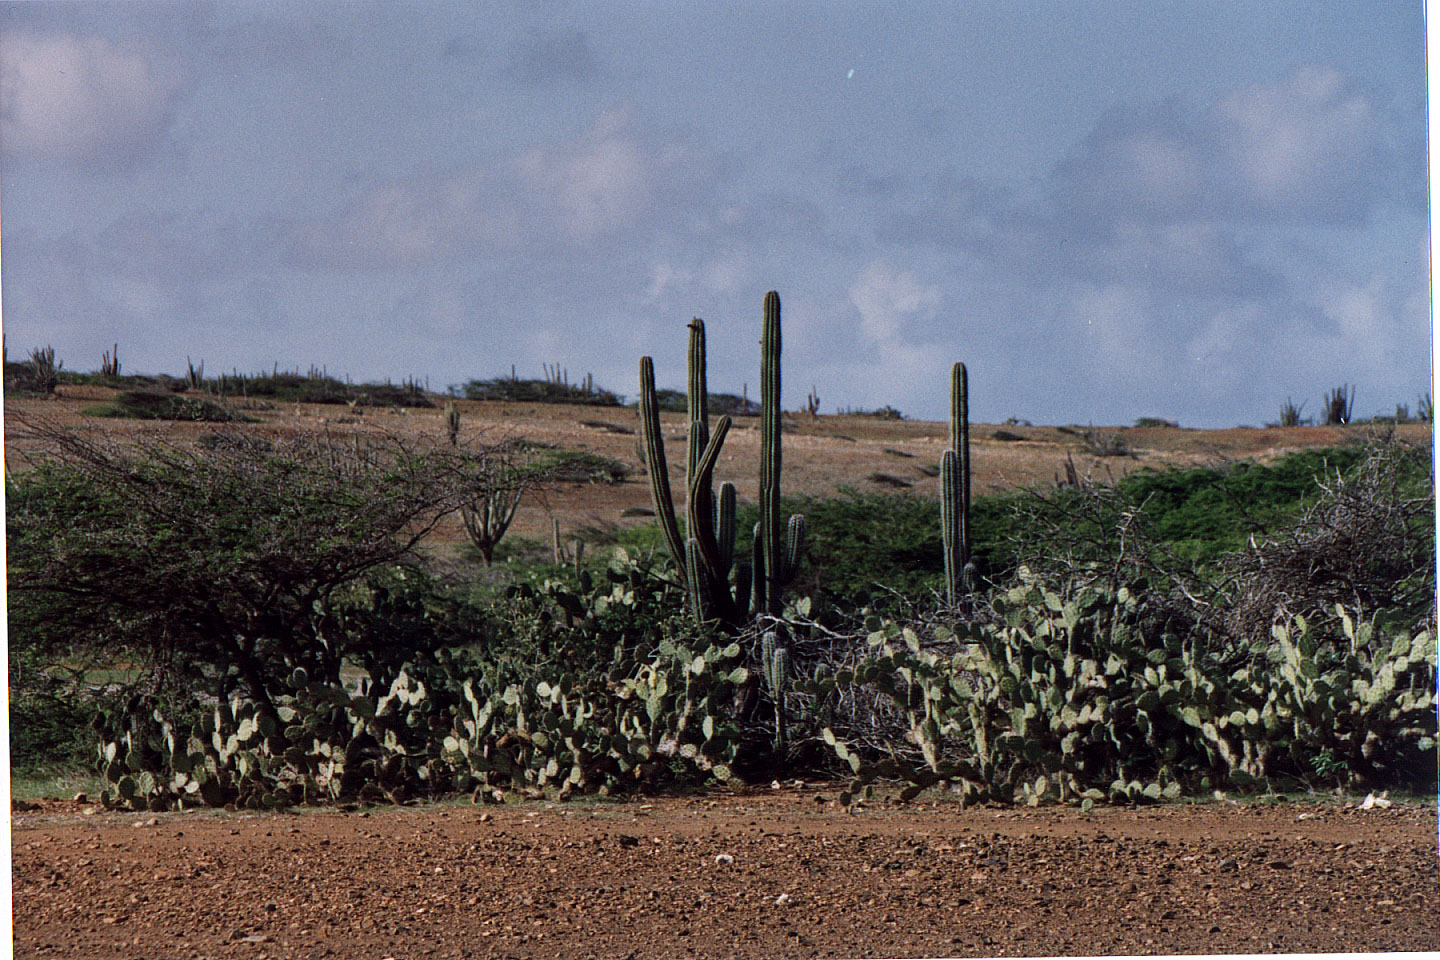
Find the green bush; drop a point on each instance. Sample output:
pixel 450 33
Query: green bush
pixel 145 405
pixel 538 391
pixel 719 404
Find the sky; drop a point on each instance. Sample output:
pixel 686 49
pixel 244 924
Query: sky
pixel 1107 210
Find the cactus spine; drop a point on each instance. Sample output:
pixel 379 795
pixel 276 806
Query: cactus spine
pixel 955 494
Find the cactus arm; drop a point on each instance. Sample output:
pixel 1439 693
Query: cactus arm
pixel 725 527
pixel 655 464
pixel 705 467
pixel 794 547
pixel 949 523
pixel 697 397
pixel 700 503
pixel 698 499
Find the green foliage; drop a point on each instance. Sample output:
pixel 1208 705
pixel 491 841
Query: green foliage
pixel 565 695
pixel 1190 516
pixel 556 465
pixel 51 707
pixel 539 391
pixel 282 386
pixel 147 405
pixel 1206 511
pixel 886 412
pixel 731 404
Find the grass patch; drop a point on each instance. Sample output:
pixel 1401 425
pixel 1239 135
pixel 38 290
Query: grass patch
pixel 53 781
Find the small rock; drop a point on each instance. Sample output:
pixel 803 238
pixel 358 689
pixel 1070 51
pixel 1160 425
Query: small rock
pixel 80 798
pixel 1228 865
pixel 153 821
pixel 723 859
pixel 783 899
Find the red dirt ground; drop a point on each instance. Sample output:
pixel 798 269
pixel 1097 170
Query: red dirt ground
pixel 765 873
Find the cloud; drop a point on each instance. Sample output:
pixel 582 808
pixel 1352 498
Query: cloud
pixel 609 181
pixel 889 299
pixel 545 56
pixel 83 100
pixel 1308 148
pixel 594 184
pixel 408 222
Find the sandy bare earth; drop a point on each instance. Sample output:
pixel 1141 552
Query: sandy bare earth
pixel 761 873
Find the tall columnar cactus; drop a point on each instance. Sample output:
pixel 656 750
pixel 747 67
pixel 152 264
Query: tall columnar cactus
pixel 955 493
pixel 705 554
pixel 780 550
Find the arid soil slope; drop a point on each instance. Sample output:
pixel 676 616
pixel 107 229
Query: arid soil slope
pixel 822 454
pixel 771 873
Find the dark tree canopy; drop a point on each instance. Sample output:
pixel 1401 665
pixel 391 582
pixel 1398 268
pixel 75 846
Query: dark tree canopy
pixel 231 561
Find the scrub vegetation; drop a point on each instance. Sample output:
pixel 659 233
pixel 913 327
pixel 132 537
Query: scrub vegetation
pixel 244 622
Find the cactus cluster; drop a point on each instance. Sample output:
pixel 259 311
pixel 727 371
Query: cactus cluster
pixel 318 744
pixel 1068 699
pixel 582 734
pixel 720 589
